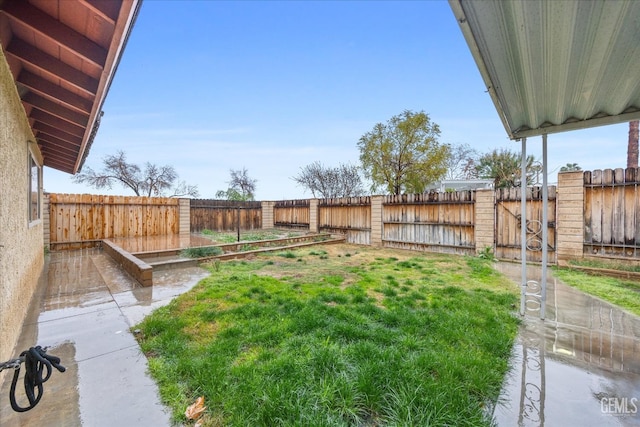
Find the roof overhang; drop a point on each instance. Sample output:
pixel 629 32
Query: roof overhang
pixel 553 66
pixel 63 56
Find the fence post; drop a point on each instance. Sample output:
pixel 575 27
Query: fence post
pixel 485 211
pixel 184 215
pixel 570 221
pixel 313 215
pixel 267 215
pixel 376 220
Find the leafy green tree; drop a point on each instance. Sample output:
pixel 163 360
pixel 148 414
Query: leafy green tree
pixel 241 186
pixel 504 168
pixel 403 155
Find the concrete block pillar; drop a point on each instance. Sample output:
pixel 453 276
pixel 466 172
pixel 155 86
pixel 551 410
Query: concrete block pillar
pixel 485 212
pixel 184 215
pixel 313 216
pixel 46 220
pixel 267 215
pixel 376 220
pixel 570 212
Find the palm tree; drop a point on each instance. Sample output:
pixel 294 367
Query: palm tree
pixel 632 148
pixel 570 167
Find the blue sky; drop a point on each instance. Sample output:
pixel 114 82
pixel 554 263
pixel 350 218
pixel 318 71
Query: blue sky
pixel 274 86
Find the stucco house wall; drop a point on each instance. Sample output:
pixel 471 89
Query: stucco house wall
pixel 21 240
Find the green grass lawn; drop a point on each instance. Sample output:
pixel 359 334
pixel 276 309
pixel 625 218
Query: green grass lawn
pixel 248 236
pixel 623 293
pixel 338 335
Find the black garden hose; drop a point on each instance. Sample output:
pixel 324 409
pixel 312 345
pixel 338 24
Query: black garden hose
pixel 35 360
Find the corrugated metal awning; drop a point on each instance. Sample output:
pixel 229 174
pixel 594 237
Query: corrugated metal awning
pixel 553 66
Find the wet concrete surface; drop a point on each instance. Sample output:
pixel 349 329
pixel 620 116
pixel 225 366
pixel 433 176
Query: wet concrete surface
pixel 578 367
pixel 160 243
pixel 83 310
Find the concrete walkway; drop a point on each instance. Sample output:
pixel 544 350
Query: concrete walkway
pixel 83 310
pixel 578 367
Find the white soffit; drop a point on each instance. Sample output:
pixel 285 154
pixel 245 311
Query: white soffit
pixel 553 66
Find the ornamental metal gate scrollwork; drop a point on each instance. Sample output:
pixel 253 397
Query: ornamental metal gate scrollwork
pixel 533 294
pixel 508 246
pixel 509 238
pixel 533 240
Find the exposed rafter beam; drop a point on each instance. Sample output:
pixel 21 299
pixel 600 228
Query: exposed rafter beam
pixel 107 8
pixel 50 119
pixel 59 147
pixel 57 162
pixel 63 55
pixel 53 29
pixel 54 131
pixel 43 103
pixel 53 91
pixel 47 63
pixel 59 142
pixel 51 151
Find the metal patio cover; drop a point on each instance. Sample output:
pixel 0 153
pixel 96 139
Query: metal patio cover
pixel 63 55
pixel 556 65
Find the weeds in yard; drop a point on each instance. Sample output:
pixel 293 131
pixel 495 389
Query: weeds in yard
pixel 248 236
pixel 334 344
pixel 201 252
pixel 487 253
pixel 287 254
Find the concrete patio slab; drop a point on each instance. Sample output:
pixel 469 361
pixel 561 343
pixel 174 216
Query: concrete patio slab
pixel 82 311
pixel 579 367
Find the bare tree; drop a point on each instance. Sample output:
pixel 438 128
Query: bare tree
pixel 241 186
pixel 330 182
pixel 462 162
pixel 153 181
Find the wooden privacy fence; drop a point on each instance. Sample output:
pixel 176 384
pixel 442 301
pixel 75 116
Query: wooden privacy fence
pixel 612 212
pixel 593 214
pixel 291 214
pixel 443 222
pixel 508 235
pixel 223 215
pixel 84 217
pixel 348 216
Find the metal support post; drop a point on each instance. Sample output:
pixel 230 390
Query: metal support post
pixel 545 228
pixel 523 226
